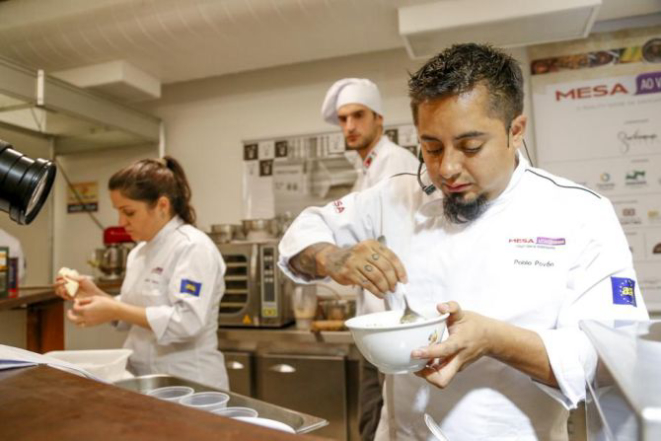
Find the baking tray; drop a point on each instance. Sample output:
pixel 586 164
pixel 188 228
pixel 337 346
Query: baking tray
pixel 300 422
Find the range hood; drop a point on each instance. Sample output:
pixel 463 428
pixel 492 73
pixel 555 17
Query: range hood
pixel 77 119
pixel 430 27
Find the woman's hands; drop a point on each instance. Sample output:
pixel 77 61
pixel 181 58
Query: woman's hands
pixel 86 287
pixel 91 305
pixel 93 310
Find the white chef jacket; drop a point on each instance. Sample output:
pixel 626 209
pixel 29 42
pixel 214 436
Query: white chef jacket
pixel 15 251
pixel 178 277
pixel 385 160
pixel 546 254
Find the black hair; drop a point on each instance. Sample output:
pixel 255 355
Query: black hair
pixel 460 68
pixel 149 179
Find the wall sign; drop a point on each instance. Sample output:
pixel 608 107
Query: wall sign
pixel 83 197
pixel 282 176
pixel 597 107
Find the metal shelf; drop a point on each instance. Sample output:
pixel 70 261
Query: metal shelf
pixel 78 120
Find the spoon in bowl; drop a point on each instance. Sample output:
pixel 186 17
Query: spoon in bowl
pixel 434 428
pixel 410 316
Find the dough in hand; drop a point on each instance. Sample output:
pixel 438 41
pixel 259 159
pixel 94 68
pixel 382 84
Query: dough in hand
pixel 70 285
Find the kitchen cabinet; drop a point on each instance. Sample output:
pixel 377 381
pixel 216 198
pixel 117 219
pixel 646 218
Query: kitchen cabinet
pixel 312 384
pixel 239 367
pixel 312 372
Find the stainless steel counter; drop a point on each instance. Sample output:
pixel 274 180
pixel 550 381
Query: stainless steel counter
pixel 300 422
pixel 288 340
pixel 624 400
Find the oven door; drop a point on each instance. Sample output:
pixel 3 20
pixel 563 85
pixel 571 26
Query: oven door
pixel 240 305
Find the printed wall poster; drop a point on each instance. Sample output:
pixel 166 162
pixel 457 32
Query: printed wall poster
pixel 597 110
pixel 285 175
pixel 83 197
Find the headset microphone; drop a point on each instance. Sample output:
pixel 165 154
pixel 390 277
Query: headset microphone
pixel 427 189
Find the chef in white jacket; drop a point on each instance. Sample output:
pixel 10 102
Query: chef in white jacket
pixel 355 105
pixel 171 293
pixel 516 255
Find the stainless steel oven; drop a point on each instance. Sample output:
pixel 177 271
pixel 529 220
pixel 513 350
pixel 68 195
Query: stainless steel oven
pixel 257 293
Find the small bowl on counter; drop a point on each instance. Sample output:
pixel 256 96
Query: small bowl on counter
pixel 209 401
pixel 171 393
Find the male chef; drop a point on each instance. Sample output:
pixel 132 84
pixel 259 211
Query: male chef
pixel 516 255
pixel 355 105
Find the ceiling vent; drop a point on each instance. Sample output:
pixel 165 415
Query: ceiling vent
pixel 118 78
pixel 428 28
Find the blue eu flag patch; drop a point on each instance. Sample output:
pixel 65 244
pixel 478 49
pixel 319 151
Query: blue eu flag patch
pixel 190 287
pixel 623 291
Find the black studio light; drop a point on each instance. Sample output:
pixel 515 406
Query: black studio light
pixel 24 184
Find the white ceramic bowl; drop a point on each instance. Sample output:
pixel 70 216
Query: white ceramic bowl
pixel 387 344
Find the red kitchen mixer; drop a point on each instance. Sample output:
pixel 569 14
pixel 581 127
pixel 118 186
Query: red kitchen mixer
pixel 111 259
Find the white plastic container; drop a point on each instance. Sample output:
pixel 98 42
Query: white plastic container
pixel 171 393
pixel 271 424
pixel 107 364
pixel 235 412
pixel 208 401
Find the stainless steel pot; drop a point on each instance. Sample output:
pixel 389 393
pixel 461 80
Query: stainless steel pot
pixel 259 228
pixel 222 233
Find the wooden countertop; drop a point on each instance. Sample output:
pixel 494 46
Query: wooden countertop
pixel 42 403
pixel 29 296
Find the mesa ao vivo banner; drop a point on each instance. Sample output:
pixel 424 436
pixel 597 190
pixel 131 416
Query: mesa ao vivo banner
pixel 601 128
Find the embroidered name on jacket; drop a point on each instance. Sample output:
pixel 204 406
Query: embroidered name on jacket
pixel 623 291
pixel 537 242
pixel 190 287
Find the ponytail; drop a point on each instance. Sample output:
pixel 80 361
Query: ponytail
pixel 181 203
pixel 149 179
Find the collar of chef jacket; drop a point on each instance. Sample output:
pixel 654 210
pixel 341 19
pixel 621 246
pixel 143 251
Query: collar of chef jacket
pixel 369 160
pixel 433 206
pixel 172 225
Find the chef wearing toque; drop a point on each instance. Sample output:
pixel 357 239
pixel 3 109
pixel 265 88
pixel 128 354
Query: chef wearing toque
pixel 355 105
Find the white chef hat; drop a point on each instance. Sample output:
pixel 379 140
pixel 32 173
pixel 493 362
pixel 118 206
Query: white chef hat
pixel 350 91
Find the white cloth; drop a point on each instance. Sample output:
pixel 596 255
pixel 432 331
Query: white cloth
pixel 350 91
pixel 542 257
pixel 178 277
pixel 385 160
pixel 15 250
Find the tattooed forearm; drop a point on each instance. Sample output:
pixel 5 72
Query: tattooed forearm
pixel 336 259
pixel 305 262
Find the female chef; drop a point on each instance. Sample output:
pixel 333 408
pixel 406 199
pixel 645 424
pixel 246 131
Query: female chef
pixel 170 296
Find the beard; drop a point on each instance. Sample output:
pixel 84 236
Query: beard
pixel 364 141
pixel 459 212
pixel 361 144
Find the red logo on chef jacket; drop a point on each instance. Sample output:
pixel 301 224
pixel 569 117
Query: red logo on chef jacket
pixel 157 270
pixel 538 241
pixel 368 161
pixel 339 206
